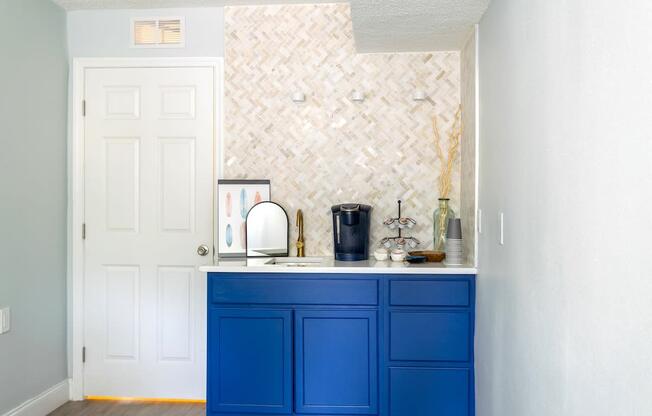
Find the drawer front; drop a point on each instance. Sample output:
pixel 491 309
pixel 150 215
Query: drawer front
pixel 430 336
pixel 430 391
pixel 429 293
pixel 293 291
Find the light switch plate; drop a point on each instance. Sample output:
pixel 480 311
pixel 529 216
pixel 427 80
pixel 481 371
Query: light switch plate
pixel 5 320
pixel 502 229
pixel 479 221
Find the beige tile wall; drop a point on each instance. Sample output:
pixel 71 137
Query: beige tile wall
pixel 331 150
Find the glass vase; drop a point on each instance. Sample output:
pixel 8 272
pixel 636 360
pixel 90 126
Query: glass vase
pixel 440 219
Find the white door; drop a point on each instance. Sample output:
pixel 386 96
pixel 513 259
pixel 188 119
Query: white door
pixel 148 207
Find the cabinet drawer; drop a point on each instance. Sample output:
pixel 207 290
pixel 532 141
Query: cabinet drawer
pixel 429 293
pixel 430 336
pixel 293 291
pixel 430 391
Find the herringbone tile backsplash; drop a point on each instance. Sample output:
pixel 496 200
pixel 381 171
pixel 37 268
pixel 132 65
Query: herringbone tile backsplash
pixel 329 149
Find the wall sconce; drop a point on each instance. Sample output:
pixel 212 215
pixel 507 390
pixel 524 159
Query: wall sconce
pixel 298 97
pixel 419 95
pixel 357 96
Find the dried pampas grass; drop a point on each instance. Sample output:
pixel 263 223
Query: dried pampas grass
pixel 447 160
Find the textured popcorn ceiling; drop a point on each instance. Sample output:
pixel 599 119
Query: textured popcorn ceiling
pixel 414 25
pixel 329 149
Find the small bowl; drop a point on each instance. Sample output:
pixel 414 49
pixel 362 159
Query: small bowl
pixel 431 256
pixel 415 259
pixel 381 254
pixel 398 255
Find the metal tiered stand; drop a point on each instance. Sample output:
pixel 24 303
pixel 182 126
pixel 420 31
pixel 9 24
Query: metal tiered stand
pixel 399 223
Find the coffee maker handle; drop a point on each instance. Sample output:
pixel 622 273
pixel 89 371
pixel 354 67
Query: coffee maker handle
pixel 337 228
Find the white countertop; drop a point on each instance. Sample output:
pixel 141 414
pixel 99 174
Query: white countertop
pixel 328 265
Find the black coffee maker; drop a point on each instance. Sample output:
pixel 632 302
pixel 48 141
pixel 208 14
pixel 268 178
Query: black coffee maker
pixel 351 231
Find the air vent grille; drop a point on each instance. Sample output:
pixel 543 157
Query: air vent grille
pixel 158 32
pixel 146 32
pixel 170 31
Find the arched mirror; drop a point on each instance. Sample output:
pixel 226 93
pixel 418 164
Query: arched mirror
pixel 267 231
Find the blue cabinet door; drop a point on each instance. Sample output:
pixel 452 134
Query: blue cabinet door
pixel 336 362
pixel 429 391
pixel 250 361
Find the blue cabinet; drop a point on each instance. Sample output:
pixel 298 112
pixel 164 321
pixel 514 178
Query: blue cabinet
pixel 336 362
pixel 426 292
pixel 340 344
pixel 429 391
pixel 429 335
pixel 250 361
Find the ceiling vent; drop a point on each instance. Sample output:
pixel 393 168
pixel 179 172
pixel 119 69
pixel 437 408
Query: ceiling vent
pixel 155 33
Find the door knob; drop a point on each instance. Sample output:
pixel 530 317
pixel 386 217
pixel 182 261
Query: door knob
pixel 202 250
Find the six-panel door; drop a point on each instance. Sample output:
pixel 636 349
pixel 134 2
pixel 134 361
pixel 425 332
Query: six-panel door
pixel 148 197
pixel 336 366
pixel 250 361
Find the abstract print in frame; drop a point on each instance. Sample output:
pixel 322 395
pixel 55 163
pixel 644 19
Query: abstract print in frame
pixel 235 198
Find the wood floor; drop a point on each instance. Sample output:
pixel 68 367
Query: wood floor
pixel 101 408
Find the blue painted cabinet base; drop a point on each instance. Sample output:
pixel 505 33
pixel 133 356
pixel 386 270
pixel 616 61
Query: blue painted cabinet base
pixel 345 344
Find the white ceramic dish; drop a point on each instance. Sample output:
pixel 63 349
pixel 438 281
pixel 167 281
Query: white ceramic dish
pixel 398 254
pixel 381 254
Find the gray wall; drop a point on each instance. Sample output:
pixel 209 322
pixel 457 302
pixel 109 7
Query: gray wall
pixel 33 81
pixel 107 33
pixel 565 306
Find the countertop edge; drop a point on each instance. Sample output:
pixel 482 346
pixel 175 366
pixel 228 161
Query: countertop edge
pixel 403 269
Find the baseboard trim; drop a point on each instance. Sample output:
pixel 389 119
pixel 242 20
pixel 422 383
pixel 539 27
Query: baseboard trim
pixel 143 399
pixel 45 402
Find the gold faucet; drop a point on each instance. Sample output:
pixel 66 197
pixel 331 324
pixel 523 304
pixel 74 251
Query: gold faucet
pixel 300 243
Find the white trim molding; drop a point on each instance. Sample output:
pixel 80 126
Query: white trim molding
pixel 76 185
pixel 43 403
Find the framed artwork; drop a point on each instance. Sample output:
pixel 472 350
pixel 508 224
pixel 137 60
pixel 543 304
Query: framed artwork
pixel 235 197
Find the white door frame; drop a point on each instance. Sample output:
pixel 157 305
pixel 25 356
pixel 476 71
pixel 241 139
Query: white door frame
pixel 76 186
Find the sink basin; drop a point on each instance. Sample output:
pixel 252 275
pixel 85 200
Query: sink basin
pixel 295 261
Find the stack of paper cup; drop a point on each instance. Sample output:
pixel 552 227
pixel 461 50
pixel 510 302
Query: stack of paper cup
pixel 453 247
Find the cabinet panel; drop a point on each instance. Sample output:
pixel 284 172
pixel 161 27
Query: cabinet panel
pixel 429 391
pixel 429 293
pixel 250 361
pixel 296 291
pixel 336 362
pixel 430 336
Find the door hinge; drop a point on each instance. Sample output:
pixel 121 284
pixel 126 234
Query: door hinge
pixel 84 108
pixel 84 231
pixel 83 354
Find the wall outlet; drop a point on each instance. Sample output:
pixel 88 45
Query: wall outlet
pixel 5 320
